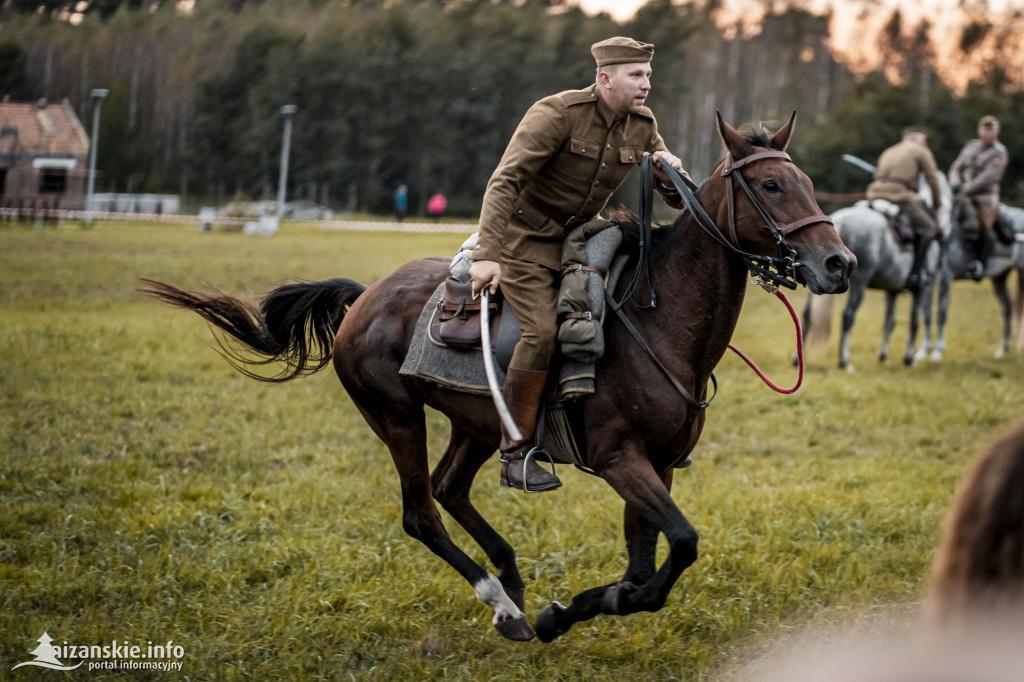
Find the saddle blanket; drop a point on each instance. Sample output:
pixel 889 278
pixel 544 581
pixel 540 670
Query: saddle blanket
pixel 463 370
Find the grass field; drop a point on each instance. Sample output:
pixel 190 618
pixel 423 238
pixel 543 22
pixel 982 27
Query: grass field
pixel 150 493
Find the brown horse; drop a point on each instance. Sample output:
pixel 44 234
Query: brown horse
pixel 637 426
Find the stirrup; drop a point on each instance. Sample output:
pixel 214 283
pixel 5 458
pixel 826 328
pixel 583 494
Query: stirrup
pixel 527 456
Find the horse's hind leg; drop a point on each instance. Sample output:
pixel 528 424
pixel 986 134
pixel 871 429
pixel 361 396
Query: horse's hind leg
pixel 405 434
pixel 451 482
pixel 1006 307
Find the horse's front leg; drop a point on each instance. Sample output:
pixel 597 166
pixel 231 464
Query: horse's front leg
pixel 926 317
pixel 915 322
pixel 942 312
pixel 1006 308
pixel 650 510
pixel 888 324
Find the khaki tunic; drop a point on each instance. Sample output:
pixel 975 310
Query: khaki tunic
pixel 897 172
pixel 571 152
pixel 979 169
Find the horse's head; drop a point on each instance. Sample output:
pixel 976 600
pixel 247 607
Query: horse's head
pixel 779 211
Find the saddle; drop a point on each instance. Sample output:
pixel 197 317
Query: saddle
pixel 898 220
pixel 456 322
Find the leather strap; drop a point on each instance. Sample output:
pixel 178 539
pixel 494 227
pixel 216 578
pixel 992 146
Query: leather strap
pixel 687 396
pixel 584 268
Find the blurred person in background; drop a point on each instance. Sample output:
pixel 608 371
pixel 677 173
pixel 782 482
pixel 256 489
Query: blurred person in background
pixel 896 176
pixel 976 173
pixel 401 203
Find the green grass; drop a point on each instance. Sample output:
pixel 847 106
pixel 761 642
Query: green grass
pixel 148 492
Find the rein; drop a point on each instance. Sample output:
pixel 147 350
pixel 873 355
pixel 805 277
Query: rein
pixel 769 272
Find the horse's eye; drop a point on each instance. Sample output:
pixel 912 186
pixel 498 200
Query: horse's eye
pixel 771 186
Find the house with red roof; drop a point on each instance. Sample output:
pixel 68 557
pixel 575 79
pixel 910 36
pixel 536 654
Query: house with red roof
pixel 44 154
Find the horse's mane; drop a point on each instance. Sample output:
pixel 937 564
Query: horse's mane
pixel 663 235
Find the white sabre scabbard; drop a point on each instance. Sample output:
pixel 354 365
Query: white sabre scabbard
pixel 492 377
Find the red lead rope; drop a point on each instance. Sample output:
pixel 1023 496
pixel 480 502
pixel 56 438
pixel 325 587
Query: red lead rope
pixel 799 352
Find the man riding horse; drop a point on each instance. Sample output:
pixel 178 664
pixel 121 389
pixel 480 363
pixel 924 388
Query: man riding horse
pixel 976 174
pixel 896 180
pixel 567 156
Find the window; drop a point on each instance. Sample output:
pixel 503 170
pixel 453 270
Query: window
pixel 53 181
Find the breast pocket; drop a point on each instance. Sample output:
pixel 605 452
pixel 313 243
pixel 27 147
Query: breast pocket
pixel 587 148
pixel 631 155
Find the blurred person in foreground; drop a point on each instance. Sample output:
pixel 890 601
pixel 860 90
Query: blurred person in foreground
pixel 978 571
pixel 896 176
pixel 976 173
pixel 568 154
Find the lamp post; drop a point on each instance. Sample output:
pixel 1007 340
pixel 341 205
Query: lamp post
pixel 97 105
pixel 287 112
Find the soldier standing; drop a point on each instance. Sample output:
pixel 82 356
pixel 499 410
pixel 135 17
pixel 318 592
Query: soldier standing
pixel 896 180
pixel 566 157
pixel 976 173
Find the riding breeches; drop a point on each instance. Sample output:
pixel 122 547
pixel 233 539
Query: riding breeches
pixel 987 214
pixel 532 291
pixel 921 219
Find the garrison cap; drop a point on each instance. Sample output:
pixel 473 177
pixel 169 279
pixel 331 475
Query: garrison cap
pixel 989 122
pixel 621 50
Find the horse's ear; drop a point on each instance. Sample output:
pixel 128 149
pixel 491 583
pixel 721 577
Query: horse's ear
pixel 734 141
pixel 780 140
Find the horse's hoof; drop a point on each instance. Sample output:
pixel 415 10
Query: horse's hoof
pixel 936 356
pixel 883 357
pixel 908 360
pixel 616 598
pixel 547 622
pixel 515 628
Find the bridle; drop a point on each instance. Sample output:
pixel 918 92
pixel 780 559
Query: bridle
pixel 770 272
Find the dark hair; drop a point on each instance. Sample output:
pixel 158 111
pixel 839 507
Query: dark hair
pixel 979 565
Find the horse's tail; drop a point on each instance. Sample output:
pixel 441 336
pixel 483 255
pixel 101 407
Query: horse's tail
pixel 1017 320
pixel 294 324
pixel 818 319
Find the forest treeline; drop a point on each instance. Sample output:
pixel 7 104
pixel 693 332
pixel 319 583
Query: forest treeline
pixel 427 92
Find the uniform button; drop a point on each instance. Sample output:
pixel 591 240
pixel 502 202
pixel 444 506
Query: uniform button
pixel 520 211
pixel 583 150
pixel 604 165
pixel 593 95
pixel 607 146
pixel 596 182
pixel 630 157
pixel 477 247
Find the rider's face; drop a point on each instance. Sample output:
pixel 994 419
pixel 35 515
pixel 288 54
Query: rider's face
pixel 988 135
pixel 625 87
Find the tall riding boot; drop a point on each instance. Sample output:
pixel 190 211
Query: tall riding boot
pixel 914 279
pixel 523 392
pixel 976 268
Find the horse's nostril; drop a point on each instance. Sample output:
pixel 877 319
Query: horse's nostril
pixel 836 265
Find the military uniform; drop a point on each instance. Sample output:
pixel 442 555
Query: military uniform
pixel 896 181
pixel 568 155
pixel 979 169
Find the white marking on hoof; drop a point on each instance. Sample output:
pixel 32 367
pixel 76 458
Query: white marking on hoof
pixel 1000 354
pixel 490 592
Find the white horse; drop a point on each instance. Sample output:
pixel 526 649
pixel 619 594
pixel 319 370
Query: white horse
pixel 1005 259
pixel 881 264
